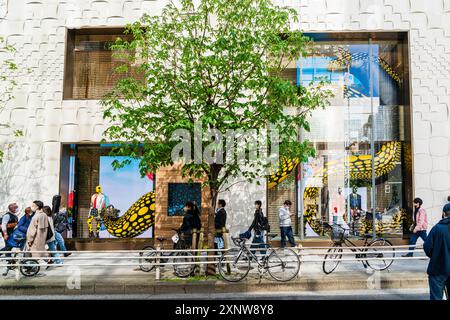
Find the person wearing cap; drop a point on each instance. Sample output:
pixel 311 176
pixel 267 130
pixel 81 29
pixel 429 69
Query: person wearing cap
pixel 437 248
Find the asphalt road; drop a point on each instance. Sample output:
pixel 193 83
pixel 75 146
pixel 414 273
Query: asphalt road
pixel 391 294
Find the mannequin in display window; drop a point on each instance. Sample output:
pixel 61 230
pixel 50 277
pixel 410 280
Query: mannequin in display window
pixel 354 200
pixel 338 206
pixel 99 201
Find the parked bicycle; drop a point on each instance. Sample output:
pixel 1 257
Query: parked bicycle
pixel 282 264
pixel 379 248
pixel 29 267
pixel 182 270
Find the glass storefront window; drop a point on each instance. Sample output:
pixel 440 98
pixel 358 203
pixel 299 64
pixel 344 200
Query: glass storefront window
pixel 368 118
pixel 128 196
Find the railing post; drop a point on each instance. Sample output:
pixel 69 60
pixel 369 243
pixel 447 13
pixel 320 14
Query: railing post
pixel 17 261
pixel 226 242
pixel 195 235
pixel 158 269
pixel 201 244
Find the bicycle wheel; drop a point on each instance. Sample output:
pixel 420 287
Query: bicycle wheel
pixel 234 265
pixel 147 265
pixel 384 254
pixel 30 269
pixel 332 259
pixel 283 264
pixel 187 268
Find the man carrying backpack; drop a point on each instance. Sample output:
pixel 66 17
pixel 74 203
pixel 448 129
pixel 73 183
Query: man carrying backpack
pixel 259 225
pixel 437 248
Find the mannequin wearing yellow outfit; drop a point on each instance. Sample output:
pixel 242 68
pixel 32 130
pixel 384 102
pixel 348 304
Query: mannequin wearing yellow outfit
pixel 99 201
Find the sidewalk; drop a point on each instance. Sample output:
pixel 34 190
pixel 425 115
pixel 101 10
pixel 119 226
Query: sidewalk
pixel 63 280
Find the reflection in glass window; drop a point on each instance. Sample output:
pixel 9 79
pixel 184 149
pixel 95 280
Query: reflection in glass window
pixel 337 183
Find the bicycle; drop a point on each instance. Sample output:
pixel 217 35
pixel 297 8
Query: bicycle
pixel 339 236
pixel 234 265
pixel 180 270
pixel 28 268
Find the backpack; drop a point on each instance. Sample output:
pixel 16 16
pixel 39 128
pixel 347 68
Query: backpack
pixel 264 224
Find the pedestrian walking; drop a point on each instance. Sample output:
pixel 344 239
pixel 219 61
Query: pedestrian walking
pixel 437 248
pixel 220 220
pixel 37 231
pixel 286 224
pixel 51 242
pixel 188 223
pixel 196 222
pixel 18 236
pixel 259 226
pixel 9 222
pixel 419 226
pixel 61 223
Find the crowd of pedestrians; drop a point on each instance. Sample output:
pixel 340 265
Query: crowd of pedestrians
pixel 39 228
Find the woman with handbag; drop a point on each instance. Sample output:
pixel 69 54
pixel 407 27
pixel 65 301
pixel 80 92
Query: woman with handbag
pixel 37 231
pixel 419 226
pixel 51 242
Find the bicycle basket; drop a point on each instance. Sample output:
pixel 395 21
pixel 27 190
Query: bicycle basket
pixel 338 234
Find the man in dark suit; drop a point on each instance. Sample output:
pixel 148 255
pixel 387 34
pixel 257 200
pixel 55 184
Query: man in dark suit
pixel 220 221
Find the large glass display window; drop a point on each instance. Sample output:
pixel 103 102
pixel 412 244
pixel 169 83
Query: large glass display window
pixel 362 171
pixel 128 200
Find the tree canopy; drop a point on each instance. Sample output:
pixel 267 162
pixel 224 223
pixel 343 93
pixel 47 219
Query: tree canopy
pixel 217 64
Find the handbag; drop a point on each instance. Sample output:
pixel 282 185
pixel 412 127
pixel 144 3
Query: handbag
pixel 49 233
pixel 411 227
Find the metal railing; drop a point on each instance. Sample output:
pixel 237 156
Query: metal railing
pixel 202 256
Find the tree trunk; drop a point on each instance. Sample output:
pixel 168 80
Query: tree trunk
pixel 211 267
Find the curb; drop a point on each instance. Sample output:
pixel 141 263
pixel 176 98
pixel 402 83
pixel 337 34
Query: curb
pixel 140 286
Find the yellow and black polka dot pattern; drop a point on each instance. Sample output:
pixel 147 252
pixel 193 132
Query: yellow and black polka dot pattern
pixel 89 221
pixel 286 167
pixel 359 167
pixel 134 222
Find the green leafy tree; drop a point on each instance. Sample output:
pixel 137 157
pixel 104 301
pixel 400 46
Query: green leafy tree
pixel 220 64
pixel 8 67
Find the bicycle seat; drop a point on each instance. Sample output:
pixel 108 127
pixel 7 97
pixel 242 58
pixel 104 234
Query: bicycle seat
pixel 366 236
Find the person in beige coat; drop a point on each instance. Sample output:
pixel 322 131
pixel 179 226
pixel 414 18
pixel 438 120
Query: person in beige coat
pixel 37 231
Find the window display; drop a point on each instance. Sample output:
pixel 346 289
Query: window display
pixel 368 119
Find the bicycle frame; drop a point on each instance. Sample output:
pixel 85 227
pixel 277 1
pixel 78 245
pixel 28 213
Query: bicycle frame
pixel 262 264
pixel 354 248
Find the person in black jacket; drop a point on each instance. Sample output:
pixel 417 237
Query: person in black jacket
pixel 60 221
pixel 256 226
pixel 197 223
pixel 188 222
pixel 437 248
pixel 220 221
